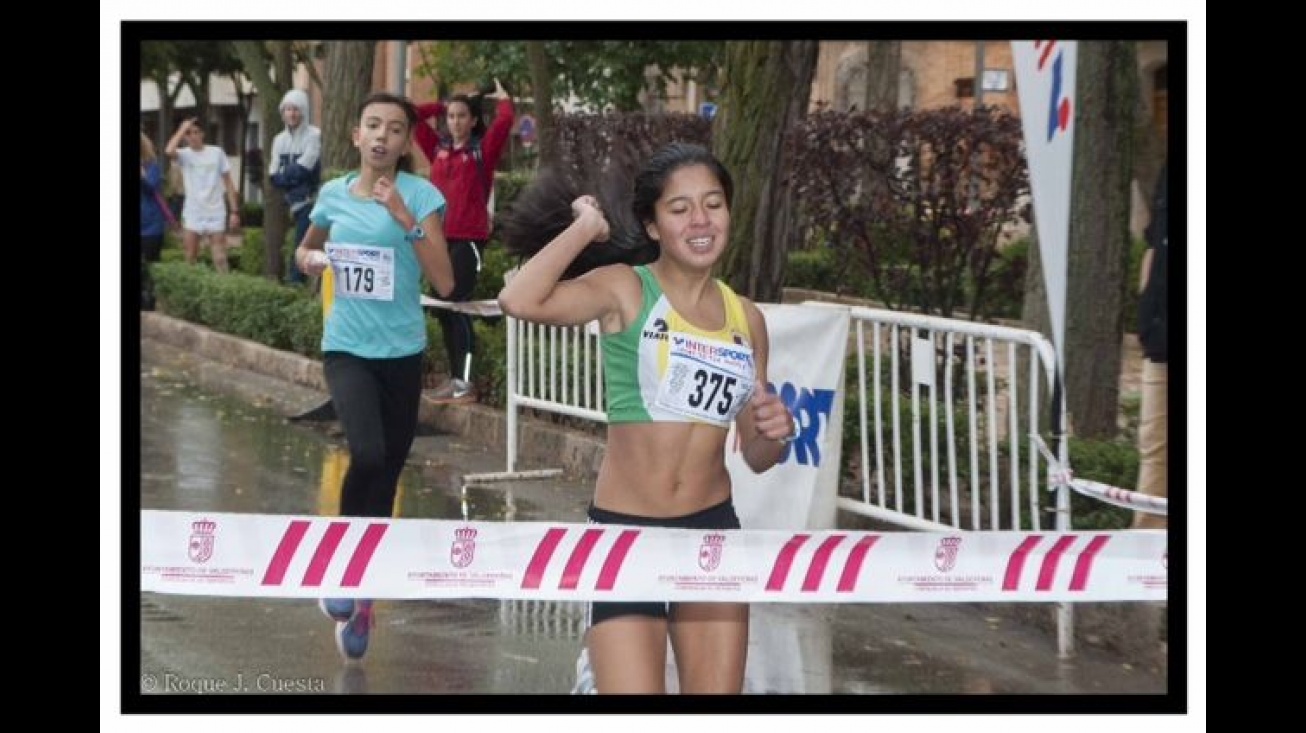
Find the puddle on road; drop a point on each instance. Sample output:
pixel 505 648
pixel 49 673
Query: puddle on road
pixel 201 451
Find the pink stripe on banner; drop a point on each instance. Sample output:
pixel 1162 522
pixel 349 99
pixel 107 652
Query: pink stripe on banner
pixel 363 555
pixel 1016 563
pixel 1047 51
pixel 326 549
pixel 579 556
pixel 1048 572
pixel 540 560
pixel 853 567
pixel 1084 565
pixel 822 558
pixel 616 556
pixel 783 561
pixel 276 571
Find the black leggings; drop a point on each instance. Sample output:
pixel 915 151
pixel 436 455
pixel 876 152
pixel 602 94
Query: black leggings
pixel 376 400
pixel 720 516
pixel 459 338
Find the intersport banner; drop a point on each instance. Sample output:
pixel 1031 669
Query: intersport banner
pixel 806 368
pixel 1045 76
pixel 258 555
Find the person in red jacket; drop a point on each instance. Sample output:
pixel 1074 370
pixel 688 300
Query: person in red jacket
pixel 462 167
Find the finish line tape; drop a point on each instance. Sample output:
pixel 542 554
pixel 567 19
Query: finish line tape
pixel 260 555
pixel 1062 476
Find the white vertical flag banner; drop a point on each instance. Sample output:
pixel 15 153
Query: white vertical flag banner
pixel 806 368
pixel 1045 80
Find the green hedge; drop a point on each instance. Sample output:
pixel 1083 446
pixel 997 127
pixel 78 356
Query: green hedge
pixel 1113 462
pixel 249 258
pixel 508 185
pixel 811 269
pixel 251 214
pixel 241 305
pixel 290 318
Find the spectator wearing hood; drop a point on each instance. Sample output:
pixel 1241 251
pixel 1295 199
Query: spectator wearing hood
pixel 296 166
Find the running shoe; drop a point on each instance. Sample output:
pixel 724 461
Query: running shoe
pixel 352 635
pixel 337 609
pixel 454 392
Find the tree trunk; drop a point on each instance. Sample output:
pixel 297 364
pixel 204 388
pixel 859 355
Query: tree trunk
pixel 271 84
pixel 167 100
pixel 766 91
pixel 1099 234
pixel 348 82
pixel 1035 316
pixel 199 86
pixel 245 104
pixel 883 62
pixel 542 91
pixel 883 65
pixel 1034 311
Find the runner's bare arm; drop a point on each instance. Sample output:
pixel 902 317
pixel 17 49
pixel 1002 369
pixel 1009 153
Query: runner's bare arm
pixel 537 292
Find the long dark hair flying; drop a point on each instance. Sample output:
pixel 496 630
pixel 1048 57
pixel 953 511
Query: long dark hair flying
pixel 542 210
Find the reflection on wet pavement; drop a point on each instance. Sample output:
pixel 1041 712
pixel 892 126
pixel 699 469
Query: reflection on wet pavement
pixel 204 452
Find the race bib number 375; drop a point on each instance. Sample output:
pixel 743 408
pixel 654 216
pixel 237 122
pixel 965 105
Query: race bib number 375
pixel 705 379
pixel 363 271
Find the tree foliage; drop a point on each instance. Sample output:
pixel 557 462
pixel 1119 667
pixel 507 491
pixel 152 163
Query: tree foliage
pixel 268 64
pixel 600 74
pixel 157 65
pixel 176 65
pixel 927 232
pixel 198 61
pixel 588 144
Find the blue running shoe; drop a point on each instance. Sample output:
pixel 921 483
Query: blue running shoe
pixel 352 635
pixel 337 609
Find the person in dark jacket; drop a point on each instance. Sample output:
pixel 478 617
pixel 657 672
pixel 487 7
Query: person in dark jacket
pixel 297 165
pixel 154 218
pixel 1153 333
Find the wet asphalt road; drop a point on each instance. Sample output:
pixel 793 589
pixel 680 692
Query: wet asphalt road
pixel 201 451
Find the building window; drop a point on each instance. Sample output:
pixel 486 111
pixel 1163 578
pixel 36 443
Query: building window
pixel 996 80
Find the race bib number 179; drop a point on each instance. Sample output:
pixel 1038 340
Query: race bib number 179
pixel 363 271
